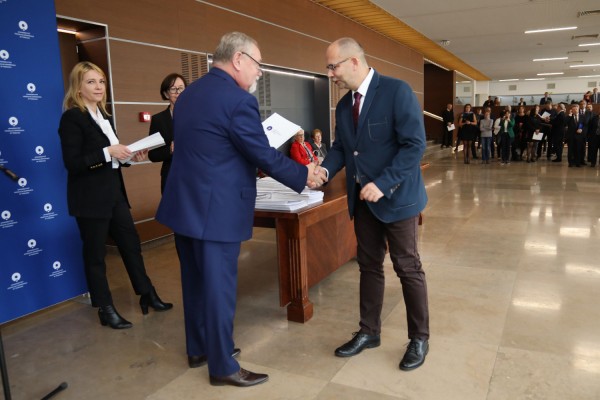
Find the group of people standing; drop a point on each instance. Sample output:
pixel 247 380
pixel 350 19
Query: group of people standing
pixel 209 192
pixel 526 134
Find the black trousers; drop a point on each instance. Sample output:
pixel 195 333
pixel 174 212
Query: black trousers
pixel 120 227
pixel 593 146
pixel 576 151
pixel 558 144
pixel 401 236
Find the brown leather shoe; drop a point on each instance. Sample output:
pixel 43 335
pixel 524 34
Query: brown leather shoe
pixel 241 378
pixel 199 361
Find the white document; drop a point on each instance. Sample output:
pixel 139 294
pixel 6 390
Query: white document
pixel 538 135
pixel 545 115
pixel 148 143
pixel 451 127
pixel 279 130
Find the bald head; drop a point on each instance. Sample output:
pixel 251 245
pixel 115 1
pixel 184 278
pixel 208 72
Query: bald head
pixel 346 63
pixel 349 47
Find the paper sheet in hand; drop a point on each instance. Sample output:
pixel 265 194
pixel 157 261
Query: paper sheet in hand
pixel 538 135
pixel 148 143
pixel 279 129
pixel 545 115
pixel 451 127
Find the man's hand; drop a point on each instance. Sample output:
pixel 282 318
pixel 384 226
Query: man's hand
pixel 370 192
pixel 316 176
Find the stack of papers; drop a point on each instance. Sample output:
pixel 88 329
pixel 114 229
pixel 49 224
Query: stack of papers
pixel 272 195
pixel 147 143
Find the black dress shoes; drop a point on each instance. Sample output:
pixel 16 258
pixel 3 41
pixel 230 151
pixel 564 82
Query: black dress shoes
pixel 109 316
pixel 358 343
pixel 415 354
pixel 151 299
pixel 241 378
pixel 199 361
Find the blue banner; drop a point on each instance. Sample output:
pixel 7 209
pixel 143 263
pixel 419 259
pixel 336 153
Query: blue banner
pixel 40 248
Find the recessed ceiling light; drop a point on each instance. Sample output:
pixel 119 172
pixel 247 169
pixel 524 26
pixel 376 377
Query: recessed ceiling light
pixel 584 65
pixel 588 76
pixel 550 73
pixel 550 59
pixel 508 80
pixel 566 28
pixel 535 79
pixel 588 44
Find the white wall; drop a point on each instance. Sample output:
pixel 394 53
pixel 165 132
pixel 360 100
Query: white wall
pixel 566 89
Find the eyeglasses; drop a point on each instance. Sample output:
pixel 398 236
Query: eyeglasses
pixel 259 65
pixel 176 90
pixel 332 67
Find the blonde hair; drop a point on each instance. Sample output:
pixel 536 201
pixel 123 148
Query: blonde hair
pixel 73 97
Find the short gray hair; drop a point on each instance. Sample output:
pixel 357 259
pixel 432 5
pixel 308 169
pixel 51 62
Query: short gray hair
pixel 230 44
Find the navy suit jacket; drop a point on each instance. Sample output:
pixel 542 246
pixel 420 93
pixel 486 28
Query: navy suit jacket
pixel 211 189
pixel 386 149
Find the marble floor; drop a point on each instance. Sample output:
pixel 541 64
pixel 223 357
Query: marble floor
pixel 511 256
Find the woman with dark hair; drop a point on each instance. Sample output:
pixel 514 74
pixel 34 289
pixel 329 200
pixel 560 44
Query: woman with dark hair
pixel 96 194
pixel 532 127
pixel 468 131
pixel 170 88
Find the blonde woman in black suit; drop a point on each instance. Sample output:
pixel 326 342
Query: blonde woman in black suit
pixel 96 193
pixel 170 88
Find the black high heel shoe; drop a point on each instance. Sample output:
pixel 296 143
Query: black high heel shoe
pixel 109 316
pixel 151 299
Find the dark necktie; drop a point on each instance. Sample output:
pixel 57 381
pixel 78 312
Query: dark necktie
pixel 356 108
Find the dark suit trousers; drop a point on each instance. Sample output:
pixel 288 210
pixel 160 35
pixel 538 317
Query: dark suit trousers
pixel 593 147
pixel 120 227
pixel 209 286
pixel 401 236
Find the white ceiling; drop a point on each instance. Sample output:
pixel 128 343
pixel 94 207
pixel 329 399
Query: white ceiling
pixel 489 34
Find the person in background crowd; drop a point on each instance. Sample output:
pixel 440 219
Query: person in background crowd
pixel 96 193
pixel 559 124
pixel 319 148
pixel 594 138
pixel 546 114
pixel 448 121
pixel 587 97
pixel 532 127
pixel 595 98
pixel 576 134
pixel 485 126
pixel 522 102
pixel 544 99
pixel 170 88
pixel 521 132
pixel 506 136
pixel 301 151
pixel 468 131
pixel 489 102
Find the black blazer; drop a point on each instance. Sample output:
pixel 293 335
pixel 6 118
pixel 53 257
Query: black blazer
pixel 92 183
pixel 163 123
pixel 543 100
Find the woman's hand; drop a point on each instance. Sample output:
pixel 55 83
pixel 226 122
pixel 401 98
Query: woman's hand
pixel 140 156
pixel 119 151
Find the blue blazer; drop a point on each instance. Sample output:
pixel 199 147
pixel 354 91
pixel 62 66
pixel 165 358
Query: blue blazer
pixel 211 190
pixel 386 149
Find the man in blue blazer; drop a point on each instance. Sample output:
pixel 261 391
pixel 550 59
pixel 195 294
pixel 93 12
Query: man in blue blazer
pixel 210 196
pixel 380 139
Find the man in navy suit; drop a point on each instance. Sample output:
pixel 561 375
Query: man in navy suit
pixel 210 196
pixel 380 139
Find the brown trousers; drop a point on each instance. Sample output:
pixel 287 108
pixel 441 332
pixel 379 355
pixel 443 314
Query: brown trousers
pixel 401 236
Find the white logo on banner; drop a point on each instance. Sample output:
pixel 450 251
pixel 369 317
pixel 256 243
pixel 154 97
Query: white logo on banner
pixel 23 189
pixel 22 182
pixel 48 214
pixel 39 150
pixel 13 121
pixel 57 270
pixel 6 221
pixel 31 95
pixel 23 25
pixel 23 34
pixel 40 157
pixel 4 55
pixel 33 249
pixel 18 283
pixel 31 87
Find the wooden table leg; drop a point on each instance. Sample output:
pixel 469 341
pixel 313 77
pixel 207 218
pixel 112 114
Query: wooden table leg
pixel 293 270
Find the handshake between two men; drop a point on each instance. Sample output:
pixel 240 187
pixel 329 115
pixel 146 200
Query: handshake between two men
pixel 316 176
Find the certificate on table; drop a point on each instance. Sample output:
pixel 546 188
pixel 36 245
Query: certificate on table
pixel 279 129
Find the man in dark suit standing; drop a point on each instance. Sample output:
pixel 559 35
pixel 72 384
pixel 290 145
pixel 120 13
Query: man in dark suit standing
pixel 522 102
pixel 595 96
pixel 448 117
pixel 210 195
pixel 545 99
pixel 557 134
pixel 577 132
pixel 380 139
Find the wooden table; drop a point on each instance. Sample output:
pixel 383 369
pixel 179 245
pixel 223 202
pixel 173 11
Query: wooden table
pixel 311 244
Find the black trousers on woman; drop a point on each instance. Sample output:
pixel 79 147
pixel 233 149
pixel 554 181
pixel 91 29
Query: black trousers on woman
pixel 120 227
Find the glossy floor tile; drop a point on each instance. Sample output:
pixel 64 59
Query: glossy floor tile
pixel 511 256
